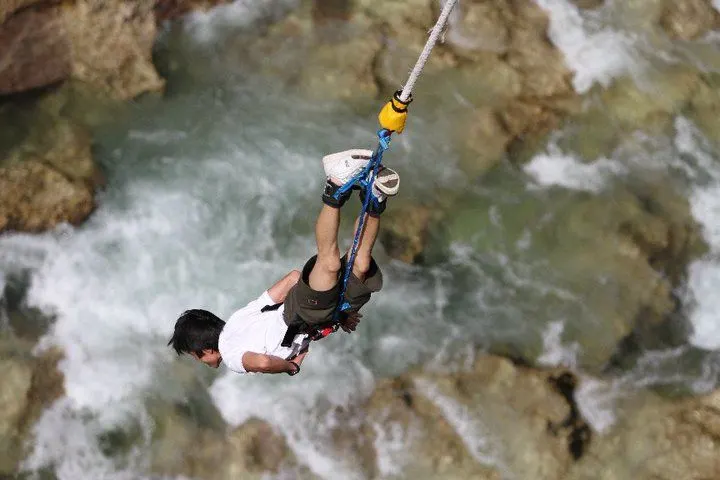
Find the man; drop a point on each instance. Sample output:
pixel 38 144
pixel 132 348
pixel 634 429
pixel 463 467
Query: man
pixel 255 338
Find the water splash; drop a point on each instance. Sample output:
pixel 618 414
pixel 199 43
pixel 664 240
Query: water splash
pixel 704 274
pixel 555 353
pixel 207 27
pixel 469 427
pixel 596 52
pixel 556 168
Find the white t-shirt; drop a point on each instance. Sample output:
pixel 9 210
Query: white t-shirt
pixel 250 330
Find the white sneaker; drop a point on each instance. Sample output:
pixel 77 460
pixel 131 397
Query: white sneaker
pixel 386 184
pixel 341 167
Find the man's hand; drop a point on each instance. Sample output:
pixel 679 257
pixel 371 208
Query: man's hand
pixel 350 321
pixel 299 358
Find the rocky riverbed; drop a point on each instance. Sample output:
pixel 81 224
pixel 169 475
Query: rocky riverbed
pixel 504 90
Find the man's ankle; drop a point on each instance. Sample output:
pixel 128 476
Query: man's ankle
pixel 331 196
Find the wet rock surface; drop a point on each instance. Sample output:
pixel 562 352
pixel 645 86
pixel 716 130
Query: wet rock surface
pixel 105 44
pixel 623 253
pixel 171 9
pixel 689 19
pixel 35 50
pixel 656 438
pixel 494 420
pixel 47 172
pixel 251 451
pixel 28 385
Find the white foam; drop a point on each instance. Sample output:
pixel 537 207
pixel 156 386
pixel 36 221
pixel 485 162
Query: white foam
pixel 158 137
pixel 596 401
pixel 391 446
pixel 554 352
pixel 206 27
pixel 716 5
pixel 595 53
pixel 705 206
pixel 694 159
pixel 564 170
pixel 474 434
pixel 4 320
pixel 703 274
pixel 703 282
pixel 601 401
pixel 74 450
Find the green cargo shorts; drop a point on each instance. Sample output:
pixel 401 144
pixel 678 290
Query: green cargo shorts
pixel 305 307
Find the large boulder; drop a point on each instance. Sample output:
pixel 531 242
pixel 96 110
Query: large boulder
pixel 35 51
pixel 170 9
pixel 16 380
pixel 491 421
pixel 35 197
pixel 689 19
pixel 8 7
pixel 184 448
pixel 705 106
pixel 111 45
pixel 47 173
pixel 518 83
pixel 657 439
pixel 512 82
pixel 663 94
pixel 404 26
pixel 331 10
pixel 321 60
pixel 189 437
pixel 105 44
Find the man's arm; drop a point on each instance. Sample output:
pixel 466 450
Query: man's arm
pixel 279 291
pixel 261 363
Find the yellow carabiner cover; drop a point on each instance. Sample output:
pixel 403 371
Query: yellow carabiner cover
pixel 394 114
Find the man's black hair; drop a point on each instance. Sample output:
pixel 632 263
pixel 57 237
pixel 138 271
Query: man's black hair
pixel 196 330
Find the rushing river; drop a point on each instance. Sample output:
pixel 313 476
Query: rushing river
pixel 212 194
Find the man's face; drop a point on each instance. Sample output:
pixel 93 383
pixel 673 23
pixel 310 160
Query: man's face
pixel 211 358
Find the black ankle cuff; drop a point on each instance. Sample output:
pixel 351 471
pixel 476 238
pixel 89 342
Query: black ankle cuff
pixel 328 196
pixel 375 209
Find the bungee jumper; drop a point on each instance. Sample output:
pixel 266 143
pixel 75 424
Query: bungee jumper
pixel 273 333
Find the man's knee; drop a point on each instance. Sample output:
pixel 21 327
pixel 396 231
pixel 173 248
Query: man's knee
pixel 361 266
pixel 369 281
pixel 329 265
pixel 324 273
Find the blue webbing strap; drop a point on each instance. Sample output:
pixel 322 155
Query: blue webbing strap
pixel 365 180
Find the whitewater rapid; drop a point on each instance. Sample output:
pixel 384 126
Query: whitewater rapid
pixel 211 199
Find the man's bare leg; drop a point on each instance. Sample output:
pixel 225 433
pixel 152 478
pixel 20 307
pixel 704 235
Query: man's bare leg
pixel 324 274
pixel 371 227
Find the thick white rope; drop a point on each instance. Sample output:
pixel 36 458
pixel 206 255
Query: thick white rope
pixel 434 35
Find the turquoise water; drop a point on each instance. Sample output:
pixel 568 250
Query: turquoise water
pixel 212 194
